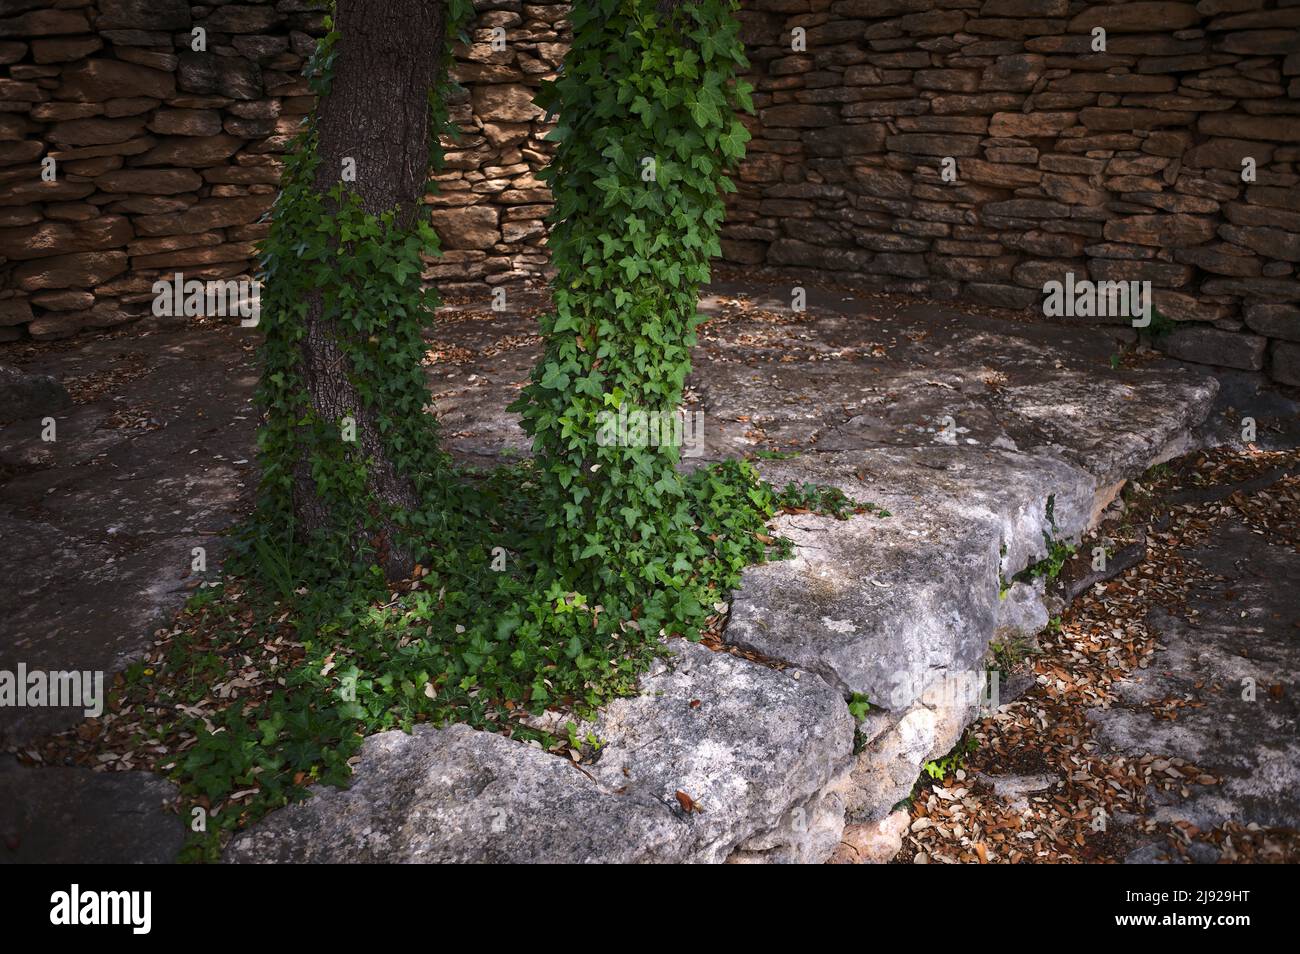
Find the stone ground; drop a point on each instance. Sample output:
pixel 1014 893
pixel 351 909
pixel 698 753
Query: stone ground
pixel 1220 695
pixel 937 413
pixel 1155 721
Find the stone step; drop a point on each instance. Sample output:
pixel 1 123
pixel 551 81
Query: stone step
pixel 896 608
pixel 717 758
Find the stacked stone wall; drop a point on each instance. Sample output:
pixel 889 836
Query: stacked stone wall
pixel 956 149
pixel 1117 165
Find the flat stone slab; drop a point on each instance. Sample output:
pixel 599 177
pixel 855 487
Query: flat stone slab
pixel 883 606
pixel 962 424
pixel 153 458
pixel 77 816
pixel 28 395
pixel 750 749
pixel 1248 628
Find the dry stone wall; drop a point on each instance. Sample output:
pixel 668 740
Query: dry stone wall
pixel 1115 165
pixel 490 205
pixel 1122 165
pixel 164 157
pixel 167 158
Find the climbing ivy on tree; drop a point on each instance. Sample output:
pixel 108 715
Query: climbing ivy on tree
pixel 647 131
pixel 608 546
pixel 544 584
pixel 352 476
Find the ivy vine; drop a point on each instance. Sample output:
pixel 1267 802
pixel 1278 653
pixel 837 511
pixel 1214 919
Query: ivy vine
pixel 607 548
pixel 366 270
pixel 647 131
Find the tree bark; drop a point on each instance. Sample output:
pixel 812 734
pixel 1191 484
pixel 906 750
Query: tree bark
pixel 376 113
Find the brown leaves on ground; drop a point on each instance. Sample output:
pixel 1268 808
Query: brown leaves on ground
pixel 1102 639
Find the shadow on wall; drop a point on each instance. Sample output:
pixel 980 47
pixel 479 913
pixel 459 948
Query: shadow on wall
pixel 946 148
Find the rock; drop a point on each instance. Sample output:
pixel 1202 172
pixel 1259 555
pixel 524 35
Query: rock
pixel 1227 154
pixel 880 640
pixel 63 49
pixel 239 78
pixel 1025 208
pixel 192 151
pixel 845 140
pixel 1211 346
pixel 1021 612
pixel 1140 17
pixel 983 269
pixel 505 103
pixel 794 252
pixel 58 238
pixel 198 72
pixel 759 748
pixel 208 214
pixel 76 816
pixel 1018 72
pixel 1158 273
pixel 69 299
pixel 81 270
pixel 14 311
pixel 895 748
pixel 14 153
pixel 799 115
pixel 149 181
pixel 872 843
pixel 1166 231
pixel 1045 244
pixel 242 19
pixel 132 147
pixel 997 174
pixel 1073 190
pixel 1271 243
pixel 1274 321
pixel 1002 296
pixel 97 80
pixel 152 204
pixel 924 144
pixel 1260 42
pixel 466 227
pixel 186 122
pixel 1284 362
pixel 260 49
pixel 229 252
pixel 1221 260
pixel 170 243
pixel 95 131
pixel 64 324
pixel 1015 789
pixel 1114 118
pixel 1242 126
pixel 44 23
pixel 1181 307
pixel 143 15
pixel 130 107
pixel 1273 289
pixel 29 395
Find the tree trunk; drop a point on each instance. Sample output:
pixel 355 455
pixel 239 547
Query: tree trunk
pixel 376 114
